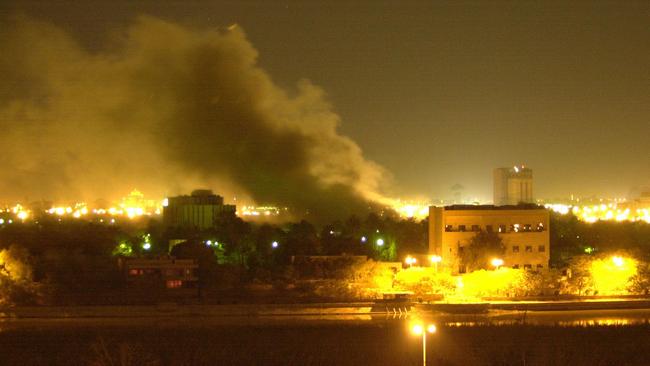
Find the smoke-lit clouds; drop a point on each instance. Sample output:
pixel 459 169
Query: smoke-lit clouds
pixel 166 109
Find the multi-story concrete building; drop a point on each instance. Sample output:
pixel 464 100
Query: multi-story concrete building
pixel 513 186
pixel 201 210
pixel 524 230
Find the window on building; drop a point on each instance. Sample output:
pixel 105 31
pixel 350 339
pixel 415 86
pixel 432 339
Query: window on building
pixel 516 266
pixel 449 228
pixel 541 248
pixel 540 266
pixel 528 266
pixel 461 228
pixel 515 248
pixel 135 272
pixel 489 228
pixel 476 228
pixel 529 248
pixel 540 227
pixel 515 228
pixel 528 227
pixel 174 283
pixel 502 228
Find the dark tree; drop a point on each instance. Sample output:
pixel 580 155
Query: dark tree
pixel 482 248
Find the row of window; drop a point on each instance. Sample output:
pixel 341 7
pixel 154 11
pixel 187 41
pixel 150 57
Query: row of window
pixel 158 272
pixel 529 248
pixel 528 266
pixel 514 228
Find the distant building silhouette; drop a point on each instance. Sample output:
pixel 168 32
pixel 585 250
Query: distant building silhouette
pixel 201 210
pixel 513 186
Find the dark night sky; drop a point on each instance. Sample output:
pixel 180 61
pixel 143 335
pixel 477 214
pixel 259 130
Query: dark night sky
pixel 442 92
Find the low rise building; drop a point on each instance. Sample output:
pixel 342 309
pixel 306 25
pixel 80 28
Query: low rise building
pixel 161 275
pixel 524 230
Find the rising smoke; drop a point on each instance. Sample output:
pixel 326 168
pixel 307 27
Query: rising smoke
pixel 167 108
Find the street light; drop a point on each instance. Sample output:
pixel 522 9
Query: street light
pixel 418 329
pixel 497 262
pixel 435 259
pixel 618 261
pixel 380 242
pixel 410 261
pixel 275 244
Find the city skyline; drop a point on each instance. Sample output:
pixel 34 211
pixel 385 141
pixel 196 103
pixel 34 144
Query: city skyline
pixel 436 95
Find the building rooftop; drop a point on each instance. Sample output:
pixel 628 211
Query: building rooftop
pixel 524 206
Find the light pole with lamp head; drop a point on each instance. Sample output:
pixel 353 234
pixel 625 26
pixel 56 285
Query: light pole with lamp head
pixel 419 329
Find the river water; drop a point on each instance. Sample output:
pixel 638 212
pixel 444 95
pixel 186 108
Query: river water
pixel 586 337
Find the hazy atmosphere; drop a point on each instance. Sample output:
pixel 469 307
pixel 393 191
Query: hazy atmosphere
pixel 435 93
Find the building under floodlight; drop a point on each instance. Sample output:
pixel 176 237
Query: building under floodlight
pixel 524 230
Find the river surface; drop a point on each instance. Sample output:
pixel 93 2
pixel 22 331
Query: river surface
pixel 565 318
pixel 586 337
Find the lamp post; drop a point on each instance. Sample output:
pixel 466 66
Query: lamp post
pixel 435 259
pixel 410 261
pixel 418 329
pixel 497 262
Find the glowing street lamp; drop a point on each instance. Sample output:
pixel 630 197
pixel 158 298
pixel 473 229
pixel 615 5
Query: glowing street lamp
pixel 380 242
pixel 410 261
pixel 435 259
pixel 497 262
pixel 419 329
pixel 618 261
pixel 275 244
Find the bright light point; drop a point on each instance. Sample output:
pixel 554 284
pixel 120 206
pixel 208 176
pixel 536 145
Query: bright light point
pixel 497 262
pixel 431 328
pixel 275 244
pixel 363 239
pixel 435 259
pixel 165 202
pixel 146 246
pixel 208 242
pixel 410 260
pixel 22 215
pixel 2 221
pixel 380 242
pixel 618 261
pixel 417 329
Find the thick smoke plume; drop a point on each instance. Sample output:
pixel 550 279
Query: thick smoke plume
pixel 167 108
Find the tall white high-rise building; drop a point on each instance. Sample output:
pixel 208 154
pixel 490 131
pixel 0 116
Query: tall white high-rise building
pixel 513 186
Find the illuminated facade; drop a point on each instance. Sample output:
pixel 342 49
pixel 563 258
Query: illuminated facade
pixel 201 210
pixel 523 229
pixel 513 186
